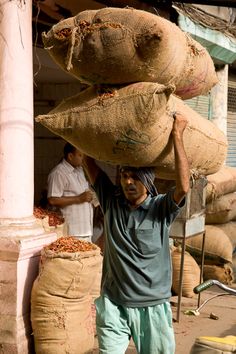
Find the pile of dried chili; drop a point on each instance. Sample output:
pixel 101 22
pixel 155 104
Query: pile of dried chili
pixel 70 244
pixel 54 218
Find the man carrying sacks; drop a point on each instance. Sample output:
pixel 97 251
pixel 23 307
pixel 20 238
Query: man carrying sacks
pixel 136 281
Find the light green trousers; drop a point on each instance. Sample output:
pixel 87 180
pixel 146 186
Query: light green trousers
pixel 150 328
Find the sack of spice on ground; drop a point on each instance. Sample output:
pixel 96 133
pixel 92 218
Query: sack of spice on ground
pixel 60 300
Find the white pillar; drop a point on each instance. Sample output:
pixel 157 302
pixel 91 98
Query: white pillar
pixel 16 110
pixel 219 99
pixel 21 239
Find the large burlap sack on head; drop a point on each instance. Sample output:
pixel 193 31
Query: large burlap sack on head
pixel 132 126
pixel 218 247
pixel 220 183
pixel 163 185
pixel 191 273
pixel 199 133
pixel 61 313
pixel 221 210
pixel 117 46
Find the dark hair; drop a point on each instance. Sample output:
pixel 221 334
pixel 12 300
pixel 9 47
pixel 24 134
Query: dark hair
pixel 68 148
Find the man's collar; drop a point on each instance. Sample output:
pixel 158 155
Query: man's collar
pixel 68 166
pixel 145 204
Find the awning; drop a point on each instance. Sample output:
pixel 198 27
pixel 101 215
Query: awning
pixel 220 47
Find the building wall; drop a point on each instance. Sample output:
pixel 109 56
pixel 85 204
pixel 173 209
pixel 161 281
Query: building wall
pixel 231 120
pixel 48 147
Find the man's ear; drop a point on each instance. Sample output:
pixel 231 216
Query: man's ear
pixel 70 156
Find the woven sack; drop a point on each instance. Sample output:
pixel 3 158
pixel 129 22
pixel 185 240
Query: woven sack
pixel 163 185
pixel 214 345
pixel 199 133
pixel 221 182
pixel 221 210
pixel 132 126
pixel 222 273
pixel 95 293
pixel 191 273
pixel 117 46
pixel 61 314
pixel 229 229
pixel 199 75
pixel 218 247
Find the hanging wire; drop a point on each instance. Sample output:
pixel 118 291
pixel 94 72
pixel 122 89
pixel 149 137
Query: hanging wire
pixel 205 19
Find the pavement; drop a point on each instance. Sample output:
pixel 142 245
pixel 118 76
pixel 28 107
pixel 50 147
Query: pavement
pixel 217 318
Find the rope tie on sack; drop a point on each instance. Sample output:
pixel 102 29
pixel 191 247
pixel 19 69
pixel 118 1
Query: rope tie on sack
pixel 69 56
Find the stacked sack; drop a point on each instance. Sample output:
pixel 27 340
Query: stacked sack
pixel 220 226
pixel 142 59
pixel 139 67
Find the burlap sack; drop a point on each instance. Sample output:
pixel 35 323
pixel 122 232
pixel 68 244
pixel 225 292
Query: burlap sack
pixel 214 345
pixel 199 133
pixel 61 314
pixel 221 210
pixel 199 74
pixel 117 46
pixel 221 182
pixel 229 229
pixel 191 273
pixel 218 247
pixel 132 126
pixel 95 293
pixel 61 325
pixel 163 185
pixel 222 273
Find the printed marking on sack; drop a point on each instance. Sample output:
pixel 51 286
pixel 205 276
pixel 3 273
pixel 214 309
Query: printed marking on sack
pixel 130 140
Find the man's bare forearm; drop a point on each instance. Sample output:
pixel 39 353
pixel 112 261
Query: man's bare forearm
pixel 62 202
pixel 182 173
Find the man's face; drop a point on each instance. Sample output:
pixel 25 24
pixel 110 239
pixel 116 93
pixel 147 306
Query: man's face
pixel 132 187
pixel 75 158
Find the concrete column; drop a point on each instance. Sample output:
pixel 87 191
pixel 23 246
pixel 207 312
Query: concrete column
pixel 21 237
pixel 16 110
pixel 219 99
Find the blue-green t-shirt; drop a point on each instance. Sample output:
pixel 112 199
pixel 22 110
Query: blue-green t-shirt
pixel 137 268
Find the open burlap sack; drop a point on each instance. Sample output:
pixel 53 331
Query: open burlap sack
pixel 220 183
pixel 61 302
pixel 191 273
pixel 132 126
pixel 218 248
pixel 117 46
pixel 222 209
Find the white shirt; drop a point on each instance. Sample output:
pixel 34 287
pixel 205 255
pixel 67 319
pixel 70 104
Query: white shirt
pixel 64 181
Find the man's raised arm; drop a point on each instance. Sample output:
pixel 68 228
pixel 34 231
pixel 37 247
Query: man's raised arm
pixel 182 173
pixel 91 168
